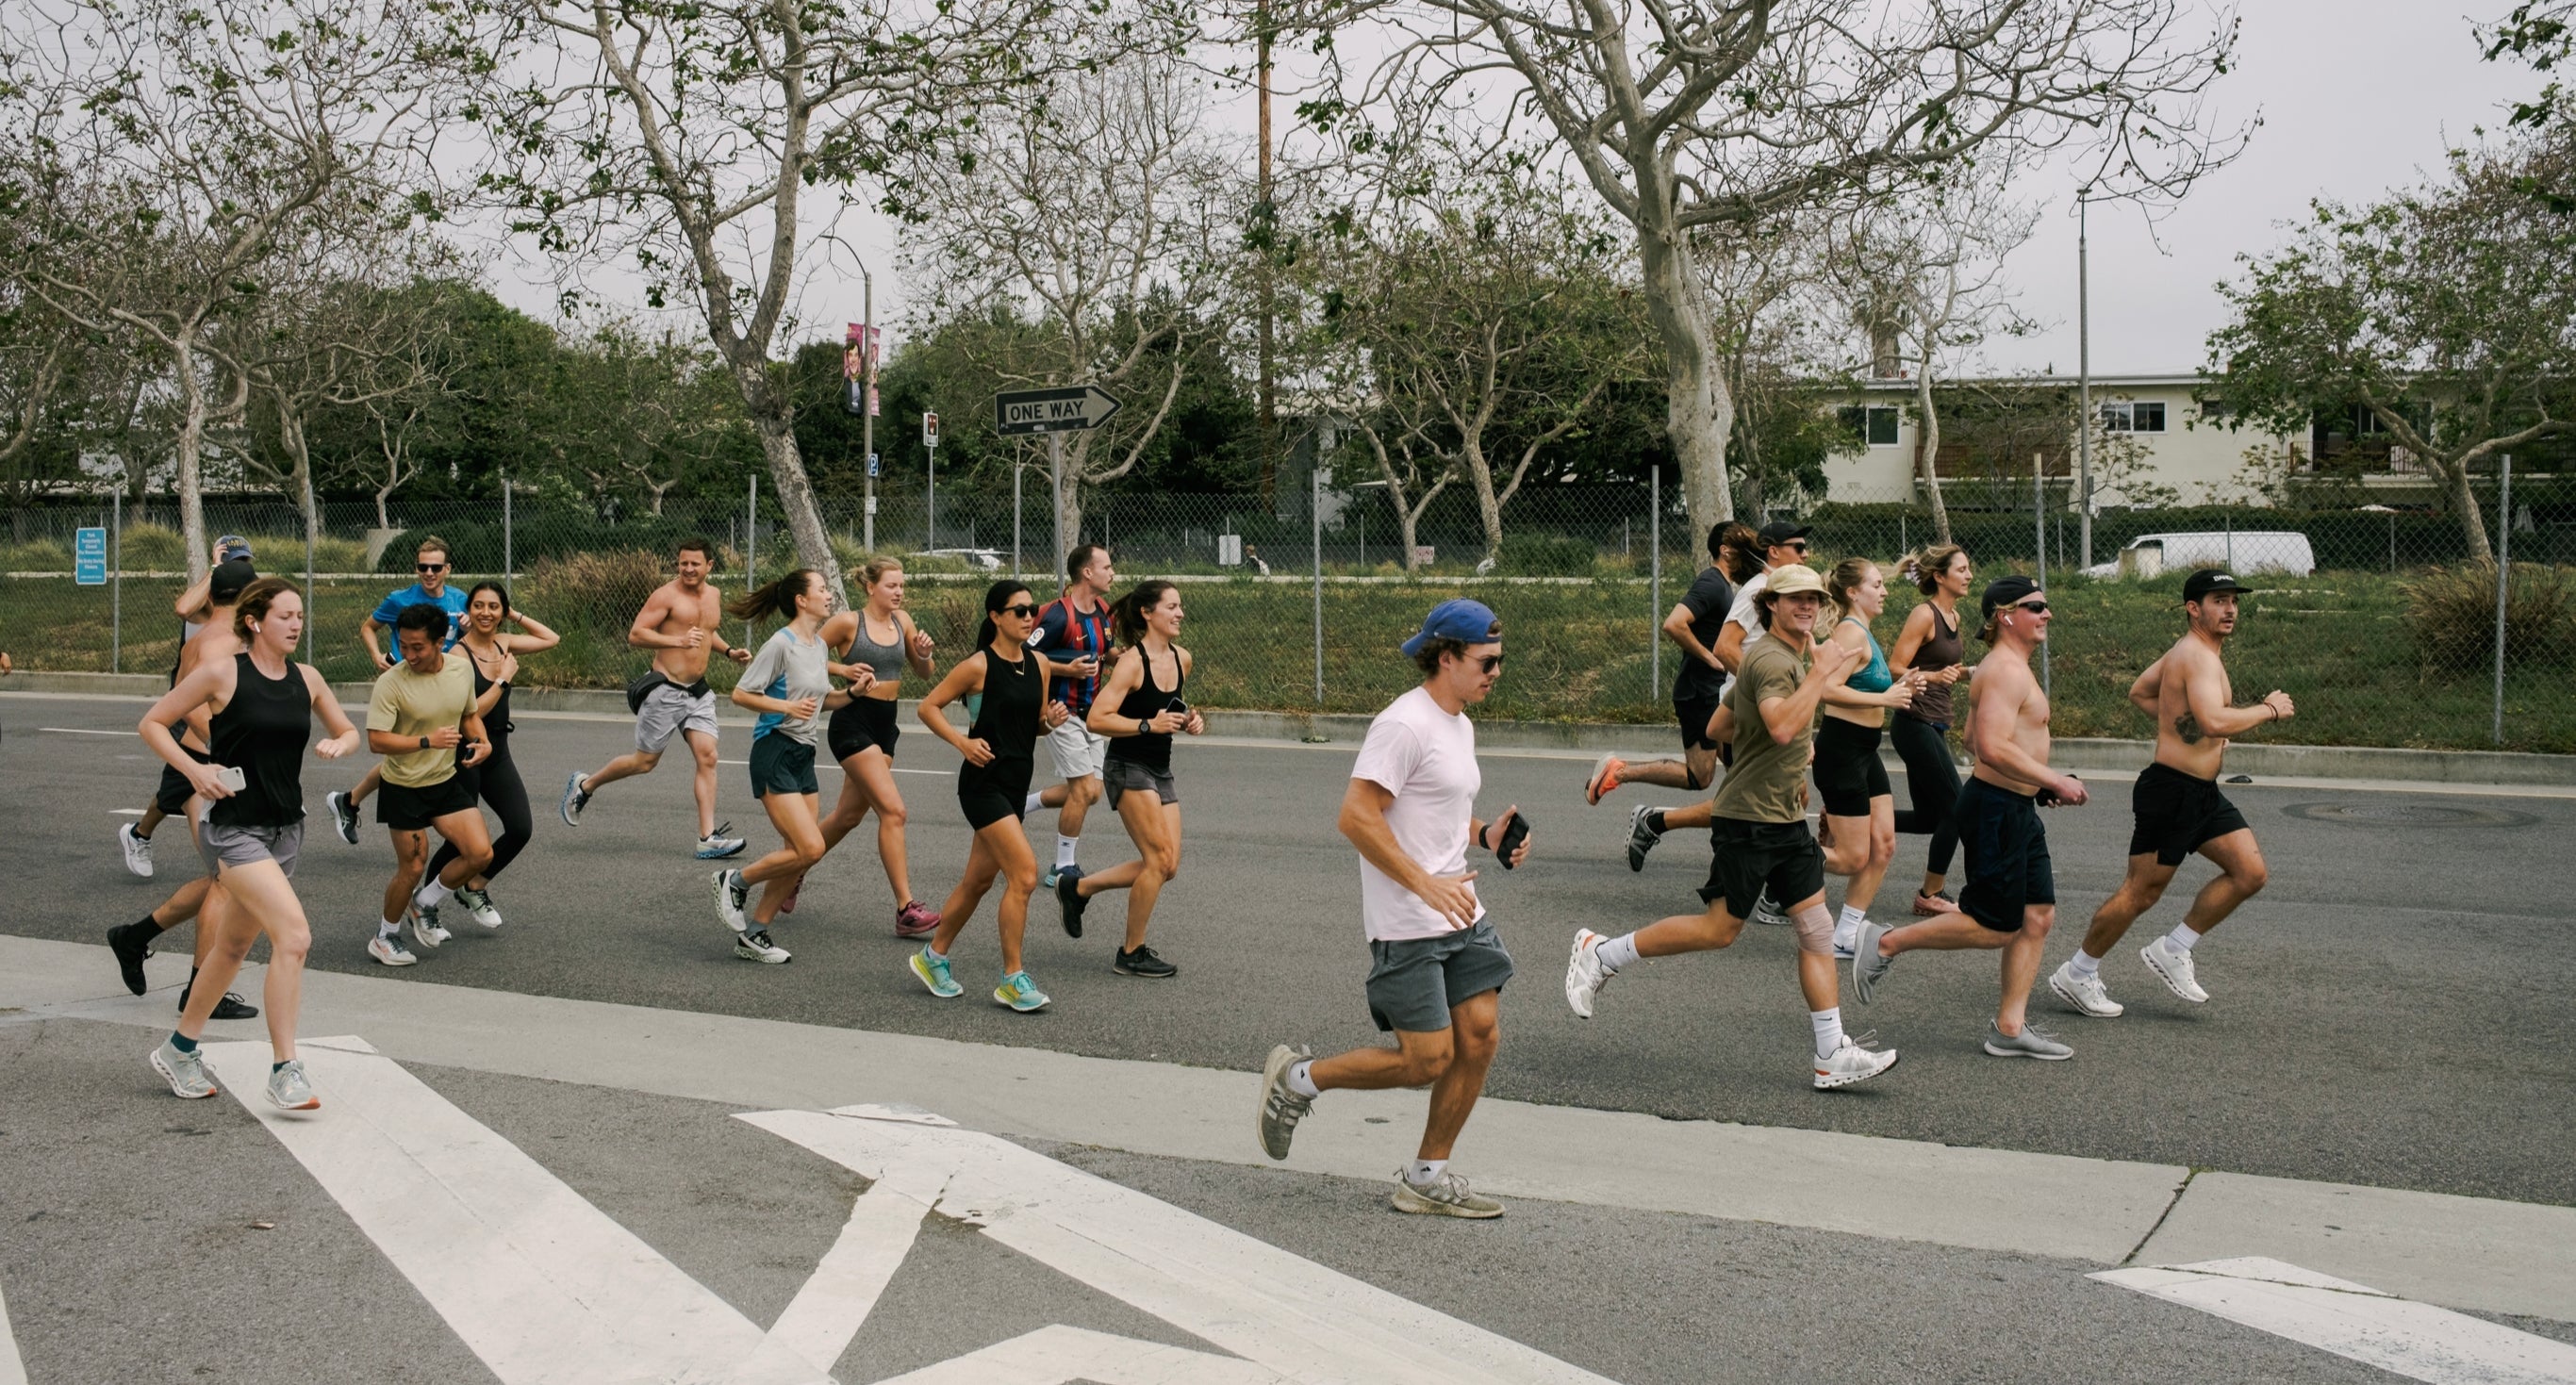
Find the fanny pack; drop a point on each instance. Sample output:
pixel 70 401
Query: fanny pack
pixel 643 687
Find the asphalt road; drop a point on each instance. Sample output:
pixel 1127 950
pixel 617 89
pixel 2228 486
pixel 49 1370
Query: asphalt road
pixel 2389 1012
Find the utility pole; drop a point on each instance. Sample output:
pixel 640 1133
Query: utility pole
pixel 2084 390
pixel 1269 214
pixel 868 414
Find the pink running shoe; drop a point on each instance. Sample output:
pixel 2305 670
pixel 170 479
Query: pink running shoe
pixel 788 905
pixel 915 920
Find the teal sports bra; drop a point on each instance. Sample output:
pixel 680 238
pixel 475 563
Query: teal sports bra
pixel 1876 677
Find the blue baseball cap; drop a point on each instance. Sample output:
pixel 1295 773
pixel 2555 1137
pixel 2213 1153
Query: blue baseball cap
pixel 1472 622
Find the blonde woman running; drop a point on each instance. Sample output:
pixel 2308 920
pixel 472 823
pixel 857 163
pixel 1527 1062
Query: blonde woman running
pixel 1138 710
pixel 879 642
pixel 264 704
pixel 1860 805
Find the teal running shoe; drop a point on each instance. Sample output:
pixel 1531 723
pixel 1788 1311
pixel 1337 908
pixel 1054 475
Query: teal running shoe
pixel 1020 993
pixel 933 972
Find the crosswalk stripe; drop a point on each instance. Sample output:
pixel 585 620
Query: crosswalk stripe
pixel 1060 1355
pixel 13 1371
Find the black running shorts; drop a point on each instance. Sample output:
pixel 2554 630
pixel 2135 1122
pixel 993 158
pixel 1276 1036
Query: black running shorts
pixel 175 790
pixel 1848 771
pixel 407 809
pixel 993 791
pixel 2007 856
pixel 2177 813
pixel 865 722
pixel 781 764
pixel 1693 713
pixel 1744 857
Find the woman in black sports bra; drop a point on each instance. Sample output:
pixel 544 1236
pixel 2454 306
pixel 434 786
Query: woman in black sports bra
pixel 1930 644
pixel 1138 709
pixel 495 654
pixel 1000 752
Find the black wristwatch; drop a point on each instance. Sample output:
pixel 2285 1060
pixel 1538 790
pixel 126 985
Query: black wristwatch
pixel 424 742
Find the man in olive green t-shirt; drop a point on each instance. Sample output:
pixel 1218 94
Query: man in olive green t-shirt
pixel 423 720
pixel 1758 834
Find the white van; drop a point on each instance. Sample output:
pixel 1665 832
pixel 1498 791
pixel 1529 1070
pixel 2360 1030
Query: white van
pixel 2246 550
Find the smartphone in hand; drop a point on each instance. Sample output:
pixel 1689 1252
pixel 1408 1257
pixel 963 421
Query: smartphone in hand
pixel 1516 832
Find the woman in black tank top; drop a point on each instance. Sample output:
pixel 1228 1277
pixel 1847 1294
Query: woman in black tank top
pixel 495 653
pixel 999 750
pixel 1930 644
pixel 1138 709
pixel 264 704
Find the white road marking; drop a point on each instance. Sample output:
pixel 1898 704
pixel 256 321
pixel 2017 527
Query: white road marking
pixel 2415 1340
pixel 1059 1354
pixel 125 812
pixel 1291 1315
pixel 13 1371
pixel 835 1302
pixel 85 731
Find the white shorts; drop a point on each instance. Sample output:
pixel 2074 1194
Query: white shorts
pixel 667 711
pixel 1078 750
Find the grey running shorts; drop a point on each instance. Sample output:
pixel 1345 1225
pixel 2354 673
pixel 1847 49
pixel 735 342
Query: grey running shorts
pixel 241 846
pixel 1121 775
pixel 669 710
pixel 1413 983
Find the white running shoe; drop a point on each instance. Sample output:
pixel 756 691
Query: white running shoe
pixel 1852 1063
pixel 478 906
pixel 1766 912
pixel 2083 994
pixel 389 951
pixel 1846 941
pixel 731 895
pixel 425 927
pixel 138 850
pixel 344 815
pixel 2172 966
pixel 755 946
pixel 1584 974
pixel 288 1090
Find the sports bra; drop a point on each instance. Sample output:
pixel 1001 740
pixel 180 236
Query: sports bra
pixel 1875 677
pixel 883 660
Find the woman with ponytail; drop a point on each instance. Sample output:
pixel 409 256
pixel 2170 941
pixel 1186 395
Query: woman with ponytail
pixel 1930 645
pixel 1860 805
pixel 879 643
pixel 1138 710
pixel 1000 751
pixel 789 682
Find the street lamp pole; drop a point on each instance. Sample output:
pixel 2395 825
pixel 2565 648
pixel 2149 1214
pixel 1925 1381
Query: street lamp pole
pixel 867 410
pixel 2084 389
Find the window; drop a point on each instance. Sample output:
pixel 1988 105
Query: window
pixel 1875 426
pixel 2134 417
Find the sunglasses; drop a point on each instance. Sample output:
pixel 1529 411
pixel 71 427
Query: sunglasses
pixel 1024 610
pixel 431 567
pixel 2037 608
pixel 1796 545
pixel 1488 663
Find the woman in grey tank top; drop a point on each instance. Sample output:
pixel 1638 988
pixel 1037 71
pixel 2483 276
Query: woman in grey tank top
pixel 880 644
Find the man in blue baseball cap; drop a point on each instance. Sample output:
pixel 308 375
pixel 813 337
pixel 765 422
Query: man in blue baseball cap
pixel 1437 966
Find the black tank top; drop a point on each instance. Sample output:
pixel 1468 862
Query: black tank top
pixel 1007 719
pixel 496 723
pixel 262 732
pixel 1152 749
pixel 1941 649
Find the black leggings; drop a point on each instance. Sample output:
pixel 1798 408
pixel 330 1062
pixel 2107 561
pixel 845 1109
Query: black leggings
pixel 499 787
pixel 1932 777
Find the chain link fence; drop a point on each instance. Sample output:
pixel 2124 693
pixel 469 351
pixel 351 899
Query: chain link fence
pixel 2380 623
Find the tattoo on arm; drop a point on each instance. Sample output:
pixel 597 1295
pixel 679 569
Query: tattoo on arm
pixel 2187 726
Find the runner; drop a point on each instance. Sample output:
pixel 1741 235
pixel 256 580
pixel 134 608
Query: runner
pixel 1138 711
pixel 421 719
pixel 1930 645
pixel 862 733
pixel 494 656
pixel 1693 623
pixel 195 609
pixel 214 640
pixel 1860 805
pixel 263 708
pixel 789 682
pixel 431 562
pixel 1073 634
pixel 2178 806
pixel 2011 896
pixel 681 623
pixel 1437 965
pixel 1010 679
pixel 1758 842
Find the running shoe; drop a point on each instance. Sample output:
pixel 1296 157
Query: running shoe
pixel 389 951
pixel 575 799
pixel 1053 874
pixel 1446 1197
pixel 1767 913
pixel 2031 1042
pixel 2083 994
pixel 732 893
pixel 1020 993
pixel 129 944
pixel 1142 962
pixel 344 816
pixel 1852 1061
pixel 1604 778
pixel 1068 895
pixel 2172 965
pixel 915 920
pixel 288 1090
pixel 1934 905
pixel 1641 838
pixel 1281 1108
pixel 755 945
pixel 716 846
pixel 933 972
pixel 478 904
pixel 231 1007
pixel 1847 941
pixel 1869 966
pixel 138 849
pixel 1584 974
pixel 186 1072
pixel 425 929
pixel 788 905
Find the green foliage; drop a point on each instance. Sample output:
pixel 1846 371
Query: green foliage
pixel 1545 555
pixel 538 535
pixel 2451 613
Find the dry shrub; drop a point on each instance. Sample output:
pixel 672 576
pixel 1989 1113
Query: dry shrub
pixel 597 590
pixel 2452 614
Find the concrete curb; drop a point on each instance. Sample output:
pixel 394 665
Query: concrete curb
pixel 2081 755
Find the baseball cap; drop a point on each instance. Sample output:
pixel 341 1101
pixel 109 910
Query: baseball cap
pixel 232 546
pixel 1780 531
pixel 229 579
pixel 2005 591
pixel 1789 579
pixel 1460 619
pixel 2208 580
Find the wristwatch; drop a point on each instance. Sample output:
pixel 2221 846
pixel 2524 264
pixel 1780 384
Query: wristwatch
pixel 424 742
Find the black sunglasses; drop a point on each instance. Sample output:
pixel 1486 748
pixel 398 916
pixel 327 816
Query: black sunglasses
pixel 431 567
pixel 1024 610
pixel 2037 608
pixel 1488 663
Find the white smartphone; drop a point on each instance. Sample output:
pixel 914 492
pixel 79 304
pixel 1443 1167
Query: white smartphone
pixel 232 777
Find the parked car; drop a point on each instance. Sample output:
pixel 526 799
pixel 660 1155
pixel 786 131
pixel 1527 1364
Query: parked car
pixel 985 559
pixel 2245 550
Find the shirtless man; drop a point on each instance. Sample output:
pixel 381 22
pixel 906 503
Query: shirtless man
pixel 681 623
pixel 2011 897
pixel 2178 805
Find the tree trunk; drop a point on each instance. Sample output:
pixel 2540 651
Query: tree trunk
pixel 1927 453
pixel 2473 525
pixel 1699 410
pixel 1489 511
pixel 775 422
pixel 290 436
pixel 190 480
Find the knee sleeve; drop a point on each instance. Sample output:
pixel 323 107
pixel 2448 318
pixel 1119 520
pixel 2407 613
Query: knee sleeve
pixel 1815 929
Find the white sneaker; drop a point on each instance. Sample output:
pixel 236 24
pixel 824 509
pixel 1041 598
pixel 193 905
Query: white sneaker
pixel 138 850
pixel 2083 994
pixel 2172 965
pixel 1584 974
pixel 478 906
pixel 1847 941
pixel 389 951
pixel 731 897
pixel 1767 913
pixel 1852 1063
pixel 425 927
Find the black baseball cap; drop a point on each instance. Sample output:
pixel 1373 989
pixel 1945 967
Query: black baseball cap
pixel 229 579
pixel 1780 531
pixel 2207 581
pixel 2007 591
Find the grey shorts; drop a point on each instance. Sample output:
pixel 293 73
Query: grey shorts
pixel 1413 983
pixel 220 846
pixel 667 711
pixel 1078 749
pixel 1121 775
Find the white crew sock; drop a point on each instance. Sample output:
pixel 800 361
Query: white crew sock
pixel 1422 1173
pixel 1301 1081
pixel 1064 849
pixel 387 928
pixel 2182 936
pixel 1619 952
pixel 1036 804
pixel 433 894
pixel 2085 965
pixel 1829 1030
pixel 1851 921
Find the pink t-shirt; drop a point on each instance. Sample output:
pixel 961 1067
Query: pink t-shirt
pixel 1426 758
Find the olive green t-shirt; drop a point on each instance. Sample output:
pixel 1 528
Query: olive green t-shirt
pixel 415 704
pixel 1762 785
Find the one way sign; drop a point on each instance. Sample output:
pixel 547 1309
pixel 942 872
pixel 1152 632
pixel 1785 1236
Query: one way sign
pixel 1069 410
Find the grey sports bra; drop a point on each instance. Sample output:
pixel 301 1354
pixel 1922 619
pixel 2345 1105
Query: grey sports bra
pixel 883 660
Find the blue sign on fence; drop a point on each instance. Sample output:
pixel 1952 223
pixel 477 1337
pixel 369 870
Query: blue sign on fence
pixel 872 464
pixel 89 558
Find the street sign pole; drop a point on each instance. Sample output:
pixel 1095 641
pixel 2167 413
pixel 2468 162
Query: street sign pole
pixel 868 419
pixel 1055 489
pixel 1070 409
